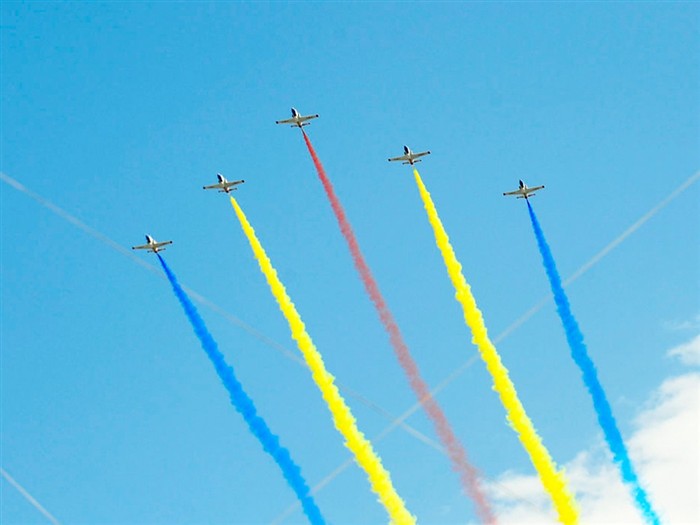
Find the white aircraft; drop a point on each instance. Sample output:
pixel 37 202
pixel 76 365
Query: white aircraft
pixel 409 157
pixel 523 192
pixel 152 245
pixel 297 120
pixel 224 186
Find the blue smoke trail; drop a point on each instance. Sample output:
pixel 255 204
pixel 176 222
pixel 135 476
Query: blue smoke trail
pixel 590 376
pixel 244 404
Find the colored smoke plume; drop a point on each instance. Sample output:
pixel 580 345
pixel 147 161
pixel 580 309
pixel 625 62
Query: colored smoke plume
pixel 344 421
pixel 579 352
pixel 244 404
pixel 468 474
pixel 553 481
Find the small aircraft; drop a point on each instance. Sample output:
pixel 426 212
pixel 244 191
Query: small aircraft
pixel 153 245
pixel 297 120
pixel 523 192
pixel 224 186
pixel 409 157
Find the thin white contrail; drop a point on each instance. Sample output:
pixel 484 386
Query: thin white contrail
pixel 34 503
pixel 196 296
pixel 76 222
pixel 629 231
pixel 395 422
pixel 98 235
pixel 602 253
pixel 505 333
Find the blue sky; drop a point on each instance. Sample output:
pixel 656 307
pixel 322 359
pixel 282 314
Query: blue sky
pixel 120 112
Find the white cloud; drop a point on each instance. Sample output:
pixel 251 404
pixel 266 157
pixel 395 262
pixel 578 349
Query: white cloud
pixel 688 353
pixel 676 326
pixel 664 448
pixel 667 446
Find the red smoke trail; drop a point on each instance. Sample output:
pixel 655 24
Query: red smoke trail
pixel 468 474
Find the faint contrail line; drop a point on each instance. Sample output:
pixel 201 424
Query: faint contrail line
pixel 96 234
pixel 397 422
pixel 509 330
pixel 602 253
pixel 34 503
pixel 633 228
pixel 75 221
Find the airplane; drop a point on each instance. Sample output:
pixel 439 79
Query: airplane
pixel 409 157
pixel 152 246
pixel 224 186
pixel 297 120
pixel 523 192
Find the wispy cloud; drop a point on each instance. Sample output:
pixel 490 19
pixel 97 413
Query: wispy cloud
pixel 688 353
pixel 678 326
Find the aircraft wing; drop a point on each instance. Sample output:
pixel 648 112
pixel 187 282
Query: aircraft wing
pixel 286 121
pixel 395 159
pixel 421 154
pixel 214 186
pixel 535 188
pixel 142 247
pixel 159 246
pixel 516 192
pixel 307 117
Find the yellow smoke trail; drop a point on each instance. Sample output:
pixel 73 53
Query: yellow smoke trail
pixel 379 477
pixel 554 482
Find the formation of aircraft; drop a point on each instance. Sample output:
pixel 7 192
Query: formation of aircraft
pixel 224 186
pixel 409 157
pixel 152 245
pixel 524 191
pixel 297 120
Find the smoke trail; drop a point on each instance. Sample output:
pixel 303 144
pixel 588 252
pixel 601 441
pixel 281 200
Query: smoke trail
pixel 343 419
pixel 579 352
pixel 469 476
pixel 554 482
pixel 199 298
pixel 456 373
pixel 33 502
pixel 401 420
pixel 244 404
